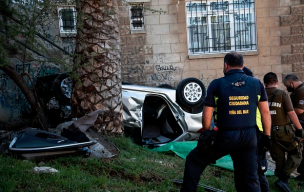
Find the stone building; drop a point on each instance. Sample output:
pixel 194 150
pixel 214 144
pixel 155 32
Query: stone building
pixel 164 41
pixel 191 38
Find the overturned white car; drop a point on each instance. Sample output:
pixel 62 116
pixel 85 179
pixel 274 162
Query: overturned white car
pixel 152 115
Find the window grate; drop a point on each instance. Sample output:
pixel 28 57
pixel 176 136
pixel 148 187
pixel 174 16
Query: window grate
pixel 221 26
pixel 137 16
pixel 67 19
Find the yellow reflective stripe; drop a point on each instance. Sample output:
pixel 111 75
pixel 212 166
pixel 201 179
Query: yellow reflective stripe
pixel 258 117
pixel 215 101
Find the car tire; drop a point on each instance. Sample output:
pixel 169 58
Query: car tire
pixel 167 86
pixel 190 92
pixel 62 88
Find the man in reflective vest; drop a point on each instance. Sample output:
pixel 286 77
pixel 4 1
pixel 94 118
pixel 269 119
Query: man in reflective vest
pixel 238 99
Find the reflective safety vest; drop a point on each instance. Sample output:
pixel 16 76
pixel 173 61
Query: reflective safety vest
pixel 237 104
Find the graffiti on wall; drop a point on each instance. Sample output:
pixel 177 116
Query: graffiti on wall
pixel 12 100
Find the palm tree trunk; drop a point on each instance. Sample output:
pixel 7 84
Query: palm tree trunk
pixel 97 64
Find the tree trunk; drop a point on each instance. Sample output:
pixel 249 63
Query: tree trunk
pixel 29 95
pixel 97 64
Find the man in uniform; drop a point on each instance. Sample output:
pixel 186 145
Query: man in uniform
pixel 237 101
pixel 296 87
pixel 283 137
pixel 262 160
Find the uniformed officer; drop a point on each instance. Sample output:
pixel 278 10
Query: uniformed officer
pixel 262 160
pixel 283 137
pixel 238 99
pixel 296 87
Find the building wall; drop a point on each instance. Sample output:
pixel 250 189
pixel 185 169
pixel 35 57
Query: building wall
pixel 160 55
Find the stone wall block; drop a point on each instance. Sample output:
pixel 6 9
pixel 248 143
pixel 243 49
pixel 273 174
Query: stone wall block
pixel 297 48
pixel 291 58
pixel 290 20
pixel 298 66
pixel 297 29
pixel 291 39
pixel 297 10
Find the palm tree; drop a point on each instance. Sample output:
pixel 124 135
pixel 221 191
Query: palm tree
pixel 97 64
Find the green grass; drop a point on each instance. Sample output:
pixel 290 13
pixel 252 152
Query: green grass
pixel 135 169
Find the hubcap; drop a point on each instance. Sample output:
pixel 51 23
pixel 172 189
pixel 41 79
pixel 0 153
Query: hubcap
pixel 192 92
pixel 66 87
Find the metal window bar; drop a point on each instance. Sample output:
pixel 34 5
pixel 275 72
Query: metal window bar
pixel 68 19
pixel 137 16
pixel 221 26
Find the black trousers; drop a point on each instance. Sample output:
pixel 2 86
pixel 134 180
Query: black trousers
pixel 241 145
pixel 262 167
pixel 300 169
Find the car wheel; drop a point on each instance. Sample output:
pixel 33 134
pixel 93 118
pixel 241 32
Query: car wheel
pixel 190 92
pixel 62 88
pixel 165 86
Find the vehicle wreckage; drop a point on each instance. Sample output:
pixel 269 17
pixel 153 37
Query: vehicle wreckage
pixel 152 116
pixel 74 138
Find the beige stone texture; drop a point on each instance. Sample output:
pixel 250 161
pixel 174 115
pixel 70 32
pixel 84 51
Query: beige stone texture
pixel 262 60
pixel 190 74
pixel 278 51
pixel 199 64
pixel 152 19
pixel 264 51
pixel 268 22
pixel 168 19
pixel 173 9
pixel 160 29
pixel 263 32
pixel 154 2
pixel 162 48
pixel 277 11
pixel 286 68
pixel 182 38
pixel 167 2
pixel 170 38
pixel 215 63
pixel 279 31
pixel 276 69
pixel 181 17
pixel 153 39
pixel 267 3
pixel 251 61
pixel 260 70
pixel 273 60
pixel 269 41
pixel 262 12
pixel 178 28
pixel 179 47
pixel 289 2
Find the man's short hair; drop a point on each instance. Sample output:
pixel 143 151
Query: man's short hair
pixel 291 77
pixel 247 71
pixel 270 78
pixel 234 59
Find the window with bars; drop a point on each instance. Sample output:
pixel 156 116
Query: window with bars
pixel 137 16
pixel 67 19
pixel 215 26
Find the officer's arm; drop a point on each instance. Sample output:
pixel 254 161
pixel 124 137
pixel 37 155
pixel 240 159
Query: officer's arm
pixel 298 111
pixel 207 117
pixel 266 119
pixel 294 119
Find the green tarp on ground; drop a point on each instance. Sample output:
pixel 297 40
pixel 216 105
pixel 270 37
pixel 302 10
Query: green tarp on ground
pixel 183 148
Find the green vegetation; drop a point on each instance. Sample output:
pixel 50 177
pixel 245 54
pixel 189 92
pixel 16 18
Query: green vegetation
pixel 135 169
